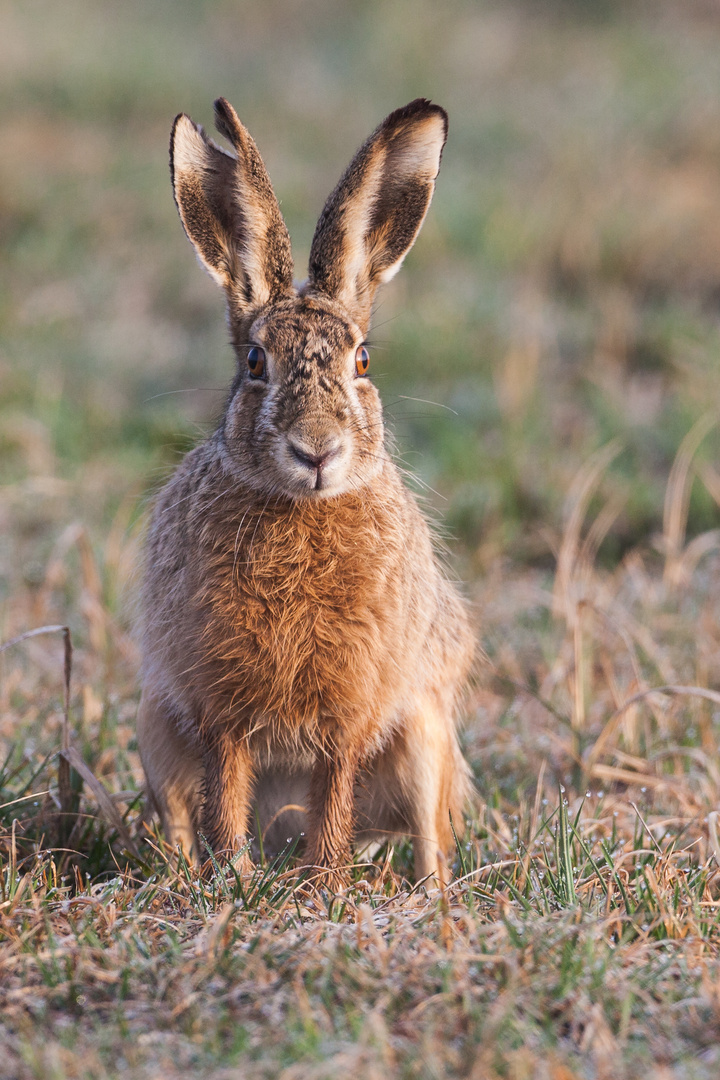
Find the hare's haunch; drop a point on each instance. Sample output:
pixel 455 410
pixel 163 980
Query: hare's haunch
pixel 303 651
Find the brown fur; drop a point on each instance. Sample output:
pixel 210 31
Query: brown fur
pixel 300 638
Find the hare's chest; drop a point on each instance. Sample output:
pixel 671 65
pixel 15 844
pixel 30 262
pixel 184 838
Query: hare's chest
pixel 299 630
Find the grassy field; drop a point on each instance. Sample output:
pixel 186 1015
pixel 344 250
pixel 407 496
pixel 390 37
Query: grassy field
pixel 548 360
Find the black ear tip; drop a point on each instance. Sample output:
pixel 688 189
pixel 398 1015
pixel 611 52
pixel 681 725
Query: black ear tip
pixel 226 120
pixel 422 105
pixel 225 116
pixel 419 109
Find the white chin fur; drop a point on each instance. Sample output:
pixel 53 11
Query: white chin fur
pixel 303 482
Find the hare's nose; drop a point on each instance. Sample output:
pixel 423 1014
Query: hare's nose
pixel 315 460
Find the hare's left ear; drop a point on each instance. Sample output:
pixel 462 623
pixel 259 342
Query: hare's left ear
pixel 229 210
pixel 373 216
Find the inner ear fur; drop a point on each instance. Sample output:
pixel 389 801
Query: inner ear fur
pixel 229 210
pixel 374 215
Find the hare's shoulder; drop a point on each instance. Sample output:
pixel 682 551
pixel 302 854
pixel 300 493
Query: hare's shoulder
pixel 179 504
pixel 176 519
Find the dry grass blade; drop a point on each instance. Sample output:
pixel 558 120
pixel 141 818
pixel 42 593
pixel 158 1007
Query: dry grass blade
pixel 574 566
pixel 55 629
pixel 69 756
pixel 713 834
pixel 677 498
pixel 598 747
pixel 24 798
pixel 105 802
pixel 698 547
pixel 600 528
pixel 576 506
pixel 65 792
pixel 67 668
pixel 710 478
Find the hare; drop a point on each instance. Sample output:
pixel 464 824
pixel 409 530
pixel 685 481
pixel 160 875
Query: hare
pixel 303 651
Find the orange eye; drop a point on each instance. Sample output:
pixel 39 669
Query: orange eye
pixel 256 362
pixel 362 360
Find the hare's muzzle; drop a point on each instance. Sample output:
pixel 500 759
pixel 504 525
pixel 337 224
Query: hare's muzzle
pixel 315 458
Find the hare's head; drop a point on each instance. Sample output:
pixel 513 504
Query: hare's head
pixel 303 420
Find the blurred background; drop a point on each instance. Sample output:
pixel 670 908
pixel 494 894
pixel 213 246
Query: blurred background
pixel 565 290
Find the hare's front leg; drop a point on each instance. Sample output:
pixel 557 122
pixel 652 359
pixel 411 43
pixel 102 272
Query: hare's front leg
pixel 173 773
pixel 228 789
pixel 432 771
pixel 331 814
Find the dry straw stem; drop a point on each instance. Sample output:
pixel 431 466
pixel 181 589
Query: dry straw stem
pixel 574 563
pixel 91 601
pixel 611 727
pixel 67 671
pixel 679 560
pixel 713 834
pixel 68 755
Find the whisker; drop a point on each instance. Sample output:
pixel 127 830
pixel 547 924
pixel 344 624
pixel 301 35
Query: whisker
pixel 424 401
pixel 187 390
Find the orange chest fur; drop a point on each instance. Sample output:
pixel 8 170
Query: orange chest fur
pixel 298 616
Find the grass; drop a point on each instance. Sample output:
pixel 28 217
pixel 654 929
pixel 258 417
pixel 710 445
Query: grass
pixel 548 363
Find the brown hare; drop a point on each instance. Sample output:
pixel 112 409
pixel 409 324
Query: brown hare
pixel 303 651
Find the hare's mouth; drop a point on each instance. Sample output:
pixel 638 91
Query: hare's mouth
pixel 316 467
pixel 313 459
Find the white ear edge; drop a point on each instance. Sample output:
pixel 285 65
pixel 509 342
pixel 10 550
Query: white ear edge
pixel 358 210
pixel 389 274
pixel 191 150
pixel 190 146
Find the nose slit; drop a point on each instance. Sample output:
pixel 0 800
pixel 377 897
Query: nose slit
pixel 314 461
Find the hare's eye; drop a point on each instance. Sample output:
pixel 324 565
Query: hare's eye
pixel 256 362
pixel 362 360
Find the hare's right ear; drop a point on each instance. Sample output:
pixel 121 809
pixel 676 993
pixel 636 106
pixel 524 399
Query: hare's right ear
pixel 229 210
pixel 373 216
